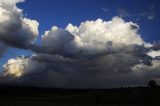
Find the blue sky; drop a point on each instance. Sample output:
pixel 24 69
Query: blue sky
pixel 61 12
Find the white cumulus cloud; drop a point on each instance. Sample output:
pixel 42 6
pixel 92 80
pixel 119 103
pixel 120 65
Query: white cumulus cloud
pixel 92 37
pixel 96 34
pixel 15 29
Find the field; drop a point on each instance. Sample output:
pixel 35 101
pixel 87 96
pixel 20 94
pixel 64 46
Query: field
pixel 34 96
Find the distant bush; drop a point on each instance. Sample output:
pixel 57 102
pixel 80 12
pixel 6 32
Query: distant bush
pixel 152 84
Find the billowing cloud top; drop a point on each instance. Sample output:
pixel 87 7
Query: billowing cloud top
pixel 95 34
pixel 92 37
pixel 96 54
pixel 15 30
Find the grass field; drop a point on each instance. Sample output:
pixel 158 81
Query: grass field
pixel 32 96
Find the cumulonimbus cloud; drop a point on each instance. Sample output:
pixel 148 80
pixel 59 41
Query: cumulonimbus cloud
pixel 97 54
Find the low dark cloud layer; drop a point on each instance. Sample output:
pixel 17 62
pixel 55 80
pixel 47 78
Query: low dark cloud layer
pixel 3 48
pixel 114 70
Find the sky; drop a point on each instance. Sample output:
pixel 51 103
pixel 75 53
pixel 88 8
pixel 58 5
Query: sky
pixel 61 12
pixel 88 28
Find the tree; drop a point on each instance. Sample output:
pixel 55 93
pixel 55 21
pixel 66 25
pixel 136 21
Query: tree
pixel 152 84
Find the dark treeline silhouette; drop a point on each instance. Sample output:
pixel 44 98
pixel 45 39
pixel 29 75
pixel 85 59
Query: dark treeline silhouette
pixel 37 96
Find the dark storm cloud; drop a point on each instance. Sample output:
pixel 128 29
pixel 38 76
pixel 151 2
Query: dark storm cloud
pixel 3 48
pixel 106 71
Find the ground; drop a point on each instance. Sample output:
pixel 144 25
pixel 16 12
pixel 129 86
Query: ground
pixel 34 96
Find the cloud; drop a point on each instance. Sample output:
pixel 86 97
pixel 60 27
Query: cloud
pixel 11 2
pixel 153 53
pixel 56 40
pixel 92 38
pixel 96 54
pixel 56 71
pixel 149 72
pixel 123 13
pixel 3 48
pixel 156 45
pixel 149 13
pixel 16 30
pixel 105 10
pixel 116 31
pixel 19 66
